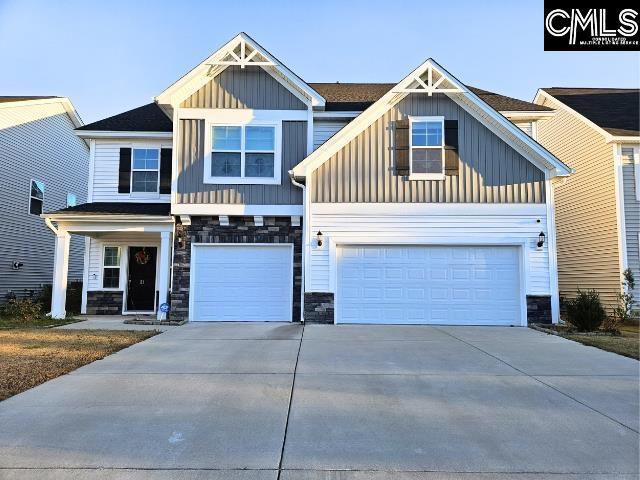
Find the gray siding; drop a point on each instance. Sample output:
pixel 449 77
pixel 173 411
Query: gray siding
pixel 491 171
pixel 192 189
pixel 631 221
pixel 251 87
pixel 37 142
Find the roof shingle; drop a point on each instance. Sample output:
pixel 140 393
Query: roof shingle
pixel 148 118
pixel 118 208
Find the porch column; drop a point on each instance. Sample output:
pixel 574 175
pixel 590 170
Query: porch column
pixel 163 278
pixel 60 271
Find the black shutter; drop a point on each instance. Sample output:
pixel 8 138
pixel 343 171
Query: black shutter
pixel 402 147
pixel 451 157
pixel 124 171
pixel 165 170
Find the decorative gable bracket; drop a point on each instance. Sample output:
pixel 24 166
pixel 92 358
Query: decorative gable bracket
pixel 241 54
pixel 428 81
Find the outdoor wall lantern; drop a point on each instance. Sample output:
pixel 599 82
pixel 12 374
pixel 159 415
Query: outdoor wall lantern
pixel 319 237
pixel 541 238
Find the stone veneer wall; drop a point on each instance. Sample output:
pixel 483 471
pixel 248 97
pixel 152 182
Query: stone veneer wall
pixel 318 307
pixel 207 229
pixel 538 309
pixel 101 302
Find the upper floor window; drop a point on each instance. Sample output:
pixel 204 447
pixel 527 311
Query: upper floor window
pixel 145 170
pixel 71 200
pixel 36 197
pixel 426 157
pixel 244 154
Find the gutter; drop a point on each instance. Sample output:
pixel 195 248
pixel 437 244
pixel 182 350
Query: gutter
pixel 304 240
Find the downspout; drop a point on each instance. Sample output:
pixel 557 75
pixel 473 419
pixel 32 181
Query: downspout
pixel 304 240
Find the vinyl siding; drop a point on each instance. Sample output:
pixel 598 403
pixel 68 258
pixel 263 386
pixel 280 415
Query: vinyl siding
pixel 491 171
pixel 37 142
pixel 192 189
pixel 526 127
pixel 323 130
pixel 632 221
pixel 421 229
pixel 586 222
pixel 106 164
pixel 251 87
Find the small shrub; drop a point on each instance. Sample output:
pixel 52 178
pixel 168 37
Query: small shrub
pixel 585 312
pixel 74 297
pixel 623 312
pixel 23 310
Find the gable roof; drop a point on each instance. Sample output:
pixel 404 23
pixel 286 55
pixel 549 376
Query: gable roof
pixel 341 97
pixel 147 118
pixel 244 51
pixel 13 98
pixel 428 79
pixel 615 110
pixel 17 101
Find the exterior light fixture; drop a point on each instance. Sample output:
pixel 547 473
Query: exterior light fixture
pixel 319 236
pixel 541 238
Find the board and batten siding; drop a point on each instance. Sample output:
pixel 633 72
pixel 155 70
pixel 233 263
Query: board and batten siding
pixel 192 189
pixel 632 219
pixel 37 142
pixel 420 229
pixel 323 130
pixel 251 87
pixel 490 170
pixel 106 163
pixel 586 221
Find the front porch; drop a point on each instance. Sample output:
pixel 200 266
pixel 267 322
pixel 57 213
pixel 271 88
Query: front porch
pixel 126 262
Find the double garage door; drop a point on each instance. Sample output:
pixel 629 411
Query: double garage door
pixel 451 285
pixel 241 283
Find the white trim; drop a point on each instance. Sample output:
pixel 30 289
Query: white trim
pixel 552 251
pixel 174 158
pixel 426 176
pixel 120 286
pixel 619 192
pixel 128 134
pixel 92 167
pixel 469 101
pixel 64 101
pixel 444 209
pixel 223 220
pixel 155 194
pixel 525 115
pixel 85 275
pixel 196 209
pixel 192 275
pixel 339 115
pixel 240 116
pixel 442 241
pixel 203 72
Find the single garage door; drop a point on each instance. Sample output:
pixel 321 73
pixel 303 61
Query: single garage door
pixel 449 285
pixel 239 283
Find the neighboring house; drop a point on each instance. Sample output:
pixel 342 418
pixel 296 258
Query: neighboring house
pixel 421 203
pixel 44 167
pixel 596 131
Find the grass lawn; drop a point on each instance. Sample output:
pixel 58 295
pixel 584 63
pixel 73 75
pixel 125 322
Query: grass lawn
pixel 29 357
pixel 37 322
pixel 627 344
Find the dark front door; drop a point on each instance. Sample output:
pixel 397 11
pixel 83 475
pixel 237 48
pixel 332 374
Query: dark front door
pixel 141 291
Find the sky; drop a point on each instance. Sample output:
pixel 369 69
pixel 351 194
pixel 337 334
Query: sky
pixel 111 56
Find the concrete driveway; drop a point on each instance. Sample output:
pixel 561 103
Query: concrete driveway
pixel 268 401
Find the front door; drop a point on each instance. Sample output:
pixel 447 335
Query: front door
pixel 141 289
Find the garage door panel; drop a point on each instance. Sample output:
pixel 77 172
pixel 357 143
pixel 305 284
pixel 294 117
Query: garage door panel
pixel 429 284
pixel 242 283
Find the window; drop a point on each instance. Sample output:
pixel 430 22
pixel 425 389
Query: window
pixel 145 170
pixel 631 156
pixel 71 200
pixel 244 154
pixel 36 197
pixel 427 148
pixel 111 267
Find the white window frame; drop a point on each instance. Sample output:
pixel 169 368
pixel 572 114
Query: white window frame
pixel 242 180
pixel 103 267
pixel 425 176
pixel 145 194
pixel 35 198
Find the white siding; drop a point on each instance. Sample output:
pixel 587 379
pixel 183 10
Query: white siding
pixel 323 130
pixel 526 127
pixel 631 216
pixel 106 162
pixel 37 141
pixel 421 229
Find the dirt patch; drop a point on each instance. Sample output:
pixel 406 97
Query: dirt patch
pixel 31 357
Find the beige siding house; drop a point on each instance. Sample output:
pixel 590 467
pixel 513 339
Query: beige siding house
pixel 595 132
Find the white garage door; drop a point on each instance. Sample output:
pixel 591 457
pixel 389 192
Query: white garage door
pixel 428 284
pixel 239 283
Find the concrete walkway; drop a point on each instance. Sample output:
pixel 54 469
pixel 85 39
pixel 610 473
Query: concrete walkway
pixel 268 401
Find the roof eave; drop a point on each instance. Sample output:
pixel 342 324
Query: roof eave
pixel 122 134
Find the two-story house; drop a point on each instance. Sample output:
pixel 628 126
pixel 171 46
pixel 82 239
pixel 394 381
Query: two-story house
pixel 38 149
pixel 596 131
pixel 243 193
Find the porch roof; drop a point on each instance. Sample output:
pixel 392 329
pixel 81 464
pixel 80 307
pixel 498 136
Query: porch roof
pixel 115 208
